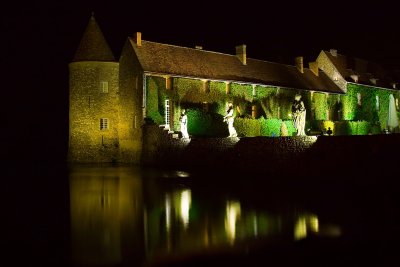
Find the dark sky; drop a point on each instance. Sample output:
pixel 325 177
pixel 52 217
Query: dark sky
pixel 39 40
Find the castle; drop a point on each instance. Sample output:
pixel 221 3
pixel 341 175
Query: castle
pixel 111 100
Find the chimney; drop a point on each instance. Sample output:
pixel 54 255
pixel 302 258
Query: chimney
pixel 394 85
pixel 198 47
pixel 241 53
pixel 299 64
pixel 333 52
pixel 313 67
pixel 138 39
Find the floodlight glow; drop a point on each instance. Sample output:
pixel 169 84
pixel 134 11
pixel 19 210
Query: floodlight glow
pixel 300 229
pixel 168 212
pixel 232 215
pixel 186 201
pixel 305 223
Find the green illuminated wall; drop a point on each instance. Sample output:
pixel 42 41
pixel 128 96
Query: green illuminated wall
pixel 206 101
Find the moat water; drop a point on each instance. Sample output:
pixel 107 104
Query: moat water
pixel 95 215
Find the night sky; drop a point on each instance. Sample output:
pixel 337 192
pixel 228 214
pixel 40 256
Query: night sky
pixel 38 42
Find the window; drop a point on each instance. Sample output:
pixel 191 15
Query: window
pixel 104 87
pixel 103 124
pixel 167 113
pixel 359 99
pixel 377 102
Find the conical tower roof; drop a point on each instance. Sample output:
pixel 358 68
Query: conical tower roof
pixel 93 45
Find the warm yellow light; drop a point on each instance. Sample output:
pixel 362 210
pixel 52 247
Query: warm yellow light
pixel 168 212
pixel 314 223
pixel 300 228
pixel 305 223
pixel 232 215
pixel 186 201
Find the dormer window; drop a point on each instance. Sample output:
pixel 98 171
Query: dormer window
pixel 373 81
pixel 354 77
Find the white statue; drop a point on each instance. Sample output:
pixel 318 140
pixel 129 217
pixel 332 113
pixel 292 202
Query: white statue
pixel 184 121
pixel 393 120
pixel 299 115
pixel 229 118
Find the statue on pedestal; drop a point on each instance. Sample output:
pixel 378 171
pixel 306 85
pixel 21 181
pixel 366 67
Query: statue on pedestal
pixel 299 115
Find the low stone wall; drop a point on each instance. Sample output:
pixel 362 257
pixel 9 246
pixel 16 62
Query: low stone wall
pixel 301 156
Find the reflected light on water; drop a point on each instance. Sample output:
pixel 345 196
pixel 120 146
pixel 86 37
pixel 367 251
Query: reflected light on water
pixel 168 212
pixel 105 207
pixel 186 201
pixel 116 216
pixel 305 223
pixel 232 215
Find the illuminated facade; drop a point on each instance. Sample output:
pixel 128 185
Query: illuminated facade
pixel 111 100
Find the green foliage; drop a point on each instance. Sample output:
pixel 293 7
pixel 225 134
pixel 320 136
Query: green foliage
pixel 263 92
pixel 242 91
pixel 278 103
pixel 199 122
pixel 290 126
pixel 155 99
pixel 320 105
pixel 270 127
pixel 375 129
pixel 202 123
pixel 219 89
pixel 355 128
pixel 247 127
pixel 189 90
pixel 359 127
pixel 273 105
pixel 349 101
pixel 368 110
pixel 342 128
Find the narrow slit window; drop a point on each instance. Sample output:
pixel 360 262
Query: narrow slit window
pixel 104 124
pixel 104 87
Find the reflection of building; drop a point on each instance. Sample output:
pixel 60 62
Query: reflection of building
pixel 106 216
pixel 117 220
pixel 110 100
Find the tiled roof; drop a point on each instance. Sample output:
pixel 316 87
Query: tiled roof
pixel 93 45
pixel 192 62
pixel 365 70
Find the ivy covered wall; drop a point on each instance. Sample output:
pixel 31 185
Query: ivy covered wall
pixel 262 110
pixel 365 103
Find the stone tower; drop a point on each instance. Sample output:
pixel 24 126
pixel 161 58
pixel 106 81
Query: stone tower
pixel 93 108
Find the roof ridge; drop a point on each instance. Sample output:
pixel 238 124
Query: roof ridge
pixel 220 53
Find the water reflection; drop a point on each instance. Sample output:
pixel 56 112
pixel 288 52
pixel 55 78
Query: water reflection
pixel 120 215
pixel 106 215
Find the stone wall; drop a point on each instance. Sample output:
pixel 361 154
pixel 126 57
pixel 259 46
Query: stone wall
pixel 88 104
pixel 297 156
